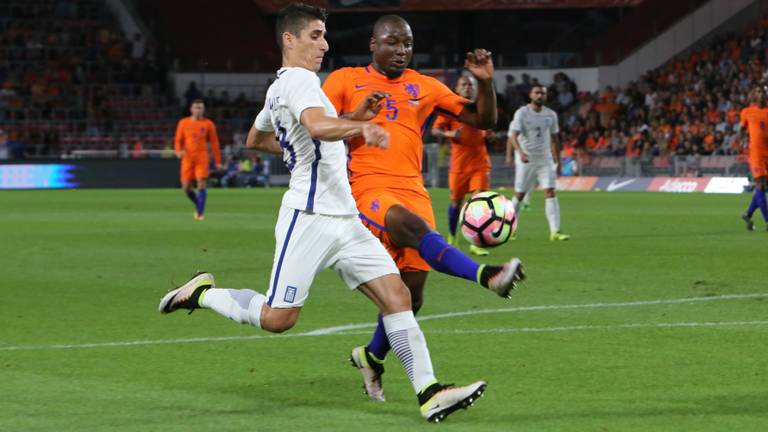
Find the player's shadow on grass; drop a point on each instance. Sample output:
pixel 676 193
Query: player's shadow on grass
pixel 338 397
pixel 723 405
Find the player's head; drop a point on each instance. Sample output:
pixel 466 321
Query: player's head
pixel 757 96
pixel 300 32
pixel 391 45
pixel 538 95
pixel 197 108
pixel 465 87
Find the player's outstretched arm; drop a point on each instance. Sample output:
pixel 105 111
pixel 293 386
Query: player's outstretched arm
pixel 482 113
pixel 262 141
pixel 325 128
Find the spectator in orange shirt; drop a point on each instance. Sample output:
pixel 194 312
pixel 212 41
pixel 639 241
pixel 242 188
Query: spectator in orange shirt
pixel 607 109
pixel 193 134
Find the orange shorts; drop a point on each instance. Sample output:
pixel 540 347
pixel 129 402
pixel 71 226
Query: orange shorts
pixel 759 167
pixel 461 183
pixel 373 205
pixel 193 168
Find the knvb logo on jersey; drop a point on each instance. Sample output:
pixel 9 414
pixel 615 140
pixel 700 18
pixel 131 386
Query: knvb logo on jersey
pixel 375 205
pixel 412 90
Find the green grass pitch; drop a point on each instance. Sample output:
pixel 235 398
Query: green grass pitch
pixel 654 317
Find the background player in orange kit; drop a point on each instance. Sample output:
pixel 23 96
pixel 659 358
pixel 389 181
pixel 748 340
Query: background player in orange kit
pixel 193 134
pixel 754 121
pixel 470 163
pixel 388 186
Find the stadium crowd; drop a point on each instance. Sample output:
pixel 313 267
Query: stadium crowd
pixel 67 81
pixel 689 106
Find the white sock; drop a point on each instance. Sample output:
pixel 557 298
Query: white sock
pixel 516 203
pixel 410 347
pixel 241 305
pixel 552 209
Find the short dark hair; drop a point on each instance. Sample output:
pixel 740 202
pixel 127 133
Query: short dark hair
pixel 294 17
pixel 540 86
pixel 197 101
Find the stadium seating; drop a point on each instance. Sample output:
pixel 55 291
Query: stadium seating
pixel 70 81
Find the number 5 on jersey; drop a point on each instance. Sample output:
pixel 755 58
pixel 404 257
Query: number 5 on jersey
pixel 391 109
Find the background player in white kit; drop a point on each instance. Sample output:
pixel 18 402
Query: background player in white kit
pixel 533 134
pixel 318 225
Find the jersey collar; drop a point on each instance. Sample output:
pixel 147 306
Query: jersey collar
pixel 371 70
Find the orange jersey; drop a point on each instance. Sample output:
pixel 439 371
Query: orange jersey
pixel 755 119
pixel 406 112
pixel 193 136
pixel 468 152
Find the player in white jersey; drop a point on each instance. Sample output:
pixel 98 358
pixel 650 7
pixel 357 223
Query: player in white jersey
pixel 533 135
pixel 318 225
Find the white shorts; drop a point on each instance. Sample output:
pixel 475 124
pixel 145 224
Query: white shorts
pixel 308 243
pixel 526 174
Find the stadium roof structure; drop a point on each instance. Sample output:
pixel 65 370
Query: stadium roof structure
pixel 272 6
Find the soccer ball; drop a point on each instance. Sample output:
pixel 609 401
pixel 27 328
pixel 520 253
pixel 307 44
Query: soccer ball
pixel 488 219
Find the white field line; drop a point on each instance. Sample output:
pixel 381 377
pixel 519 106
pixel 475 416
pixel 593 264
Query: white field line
pixel 330 330
pixel 587 327
pixel 349 329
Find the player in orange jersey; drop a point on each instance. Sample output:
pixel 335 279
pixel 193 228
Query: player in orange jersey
pixel 193 134
pixel 470 163
pixel 754 121
pixel 388 186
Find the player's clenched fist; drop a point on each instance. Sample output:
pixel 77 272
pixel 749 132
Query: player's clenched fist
pixel 375 136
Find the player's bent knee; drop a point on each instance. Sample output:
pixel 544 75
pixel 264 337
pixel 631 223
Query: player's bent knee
pixel 549 193
pixel 405 227
pixel 279 320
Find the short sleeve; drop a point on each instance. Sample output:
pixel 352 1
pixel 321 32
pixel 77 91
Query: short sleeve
pixel 264 121
pixel 555 128
pixel 446 101
pixel 334 87
pixel 516 125
pixel 743 118
pixel 302 91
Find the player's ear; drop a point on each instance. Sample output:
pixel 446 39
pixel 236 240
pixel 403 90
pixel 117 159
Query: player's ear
pixel 372 43
pixel 287 39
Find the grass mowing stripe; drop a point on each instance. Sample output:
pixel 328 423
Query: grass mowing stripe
pixel 346 329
